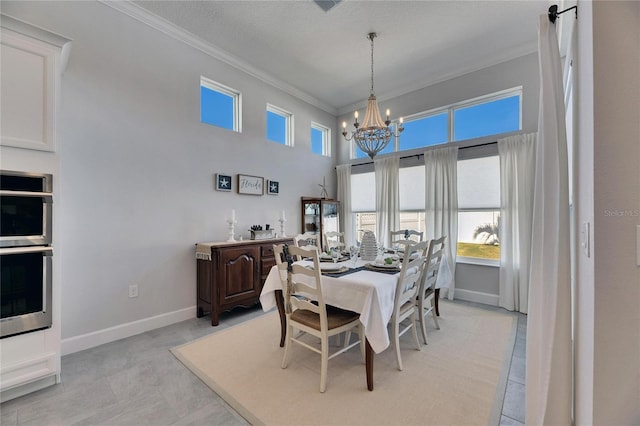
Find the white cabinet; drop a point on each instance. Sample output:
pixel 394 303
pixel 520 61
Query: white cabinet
pixel 32 61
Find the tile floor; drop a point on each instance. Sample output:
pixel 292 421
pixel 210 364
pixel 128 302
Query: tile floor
pixel 137 381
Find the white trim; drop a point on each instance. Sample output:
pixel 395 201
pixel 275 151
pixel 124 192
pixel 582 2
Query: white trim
pixel 175 32
pixel 326 137
pixel 27 388
pixel 288 123
pixel 234 94
pixel 111 334
pixel 477 296
pixel 478 261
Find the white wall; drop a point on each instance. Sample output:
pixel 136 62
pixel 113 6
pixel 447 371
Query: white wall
pixel 616 202
pixel 137 166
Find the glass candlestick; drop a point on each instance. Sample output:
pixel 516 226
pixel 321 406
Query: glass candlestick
pixel 231 223
pixel 282 222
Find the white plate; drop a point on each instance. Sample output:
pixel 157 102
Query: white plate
pixel 330 266
pixel 385 265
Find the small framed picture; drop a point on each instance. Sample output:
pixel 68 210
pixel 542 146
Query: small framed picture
pixel 273 187
pixel 223 182
pixel 252 185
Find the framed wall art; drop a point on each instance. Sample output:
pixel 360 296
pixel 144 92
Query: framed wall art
pixel 223 182
pixel 273 187
pixel 252 185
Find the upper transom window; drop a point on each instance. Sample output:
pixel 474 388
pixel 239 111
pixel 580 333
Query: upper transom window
pixel 219 105
pixel 279 125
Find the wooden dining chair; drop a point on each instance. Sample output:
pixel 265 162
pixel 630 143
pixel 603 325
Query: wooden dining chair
pixel 406 234
pixel 404 305
pixel 426 300
pixel 334 239
pixel 306 311
pixel 308 239
pixel 405 237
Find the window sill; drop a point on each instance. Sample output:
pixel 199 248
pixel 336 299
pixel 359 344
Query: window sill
pixel 478 261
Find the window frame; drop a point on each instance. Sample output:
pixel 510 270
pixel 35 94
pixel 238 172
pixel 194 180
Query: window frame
pixel 495 208
pixel 288 124
pixel 326 138
pixel 450 111
pixel 485 99
pixel 236 97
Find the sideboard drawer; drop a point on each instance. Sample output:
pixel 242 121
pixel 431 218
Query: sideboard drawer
pixel 267 250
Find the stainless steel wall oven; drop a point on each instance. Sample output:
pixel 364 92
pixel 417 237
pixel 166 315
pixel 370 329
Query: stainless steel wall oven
pixel 25 252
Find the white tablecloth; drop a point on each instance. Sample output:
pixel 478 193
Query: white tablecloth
pixel 369 293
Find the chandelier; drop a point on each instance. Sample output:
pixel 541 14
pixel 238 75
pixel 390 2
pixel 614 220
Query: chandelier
pixel 373 134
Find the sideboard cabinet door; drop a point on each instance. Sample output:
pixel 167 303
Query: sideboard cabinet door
pixel 239 276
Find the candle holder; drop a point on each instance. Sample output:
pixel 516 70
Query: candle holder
pixel 282 222
pixel 231 223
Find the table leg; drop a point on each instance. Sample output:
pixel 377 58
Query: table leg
pixel 436 297
pixel 283 318
pixel 369 364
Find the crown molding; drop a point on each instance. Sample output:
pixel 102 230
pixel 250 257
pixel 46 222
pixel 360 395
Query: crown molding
pixel 144 16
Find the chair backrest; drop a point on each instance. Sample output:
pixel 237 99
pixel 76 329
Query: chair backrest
pixel 432 265
pixel 409 280
pixel 403 238
pixel 303 285
pixel 406 234
pixel 281 263
pixel 333 239
pixel 308 240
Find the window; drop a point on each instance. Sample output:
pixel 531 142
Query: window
pixel 219 105
pixel 363 200
pixel 479 208
pixel 486 118
pixel 497 113
pixel 429 130
pixel 320 139
pixel 279 125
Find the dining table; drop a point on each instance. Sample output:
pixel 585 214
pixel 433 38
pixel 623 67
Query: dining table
pixel 363 288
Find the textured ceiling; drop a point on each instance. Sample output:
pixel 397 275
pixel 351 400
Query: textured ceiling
pixel 327 55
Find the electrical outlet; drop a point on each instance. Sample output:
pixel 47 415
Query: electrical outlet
pixel 133 291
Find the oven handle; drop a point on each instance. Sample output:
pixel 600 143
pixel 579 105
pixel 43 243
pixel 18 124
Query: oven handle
pixel 47 251
pixel 46 196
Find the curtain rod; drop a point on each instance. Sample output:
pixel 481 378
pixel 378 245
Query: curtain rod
pixel 553 12
pixel 422 155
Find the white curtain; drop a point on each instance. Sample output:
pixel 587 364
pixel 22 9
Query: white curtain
pixel 344 196
pixel 517 167
pixel 387 171
pixel 441 209
pixel 548 368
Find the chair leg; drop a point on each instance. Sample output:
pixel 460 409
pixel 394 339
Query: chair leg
pixel 414 329
pixel 324 364
pixel 433 312
pixel 422 321
pixel 287 347
pixel 396 343
pixel 347 338
pixel 362 342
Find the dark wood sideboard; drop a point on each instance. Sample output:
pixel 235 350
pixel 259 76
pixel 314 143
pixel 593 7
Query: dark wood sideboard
pixel 231 274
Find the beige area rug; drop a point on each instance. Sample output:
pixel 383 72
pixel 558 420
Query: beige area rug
pixel 458 379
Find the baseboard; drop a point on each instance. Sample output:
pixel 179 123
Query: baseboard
pixel 111 334
pixel 26 388
pixel 476 296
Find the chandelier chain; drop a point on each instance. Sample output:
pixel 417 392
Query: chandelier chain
pixel 371 37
